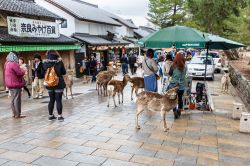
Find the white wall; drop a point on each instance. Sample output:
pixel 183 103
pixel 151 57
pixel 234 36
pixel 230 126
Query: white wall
pixel 70 20
pixel 124 31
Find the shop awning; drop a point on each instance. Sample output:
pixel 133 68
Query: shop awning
pixel 20 48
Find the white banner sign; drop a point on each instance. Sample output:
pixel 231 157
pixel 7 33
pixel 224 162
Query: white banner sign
pixel 24 27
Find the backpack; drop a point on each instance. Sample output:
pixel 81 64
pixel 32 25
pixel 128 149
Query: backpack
pixel 51 79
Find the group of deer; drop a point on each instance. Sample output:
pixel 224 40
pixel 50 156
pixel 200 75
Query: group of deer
pixel 105 84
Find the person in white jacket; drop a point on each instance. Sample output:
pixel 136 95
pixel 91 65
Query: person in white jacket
pixel 165 68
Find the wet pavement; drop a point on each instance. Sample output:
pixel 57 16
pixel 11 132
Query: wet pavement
pixel 93 134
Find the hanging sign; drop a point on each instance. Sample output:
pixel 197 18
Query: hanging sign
pixel 24 27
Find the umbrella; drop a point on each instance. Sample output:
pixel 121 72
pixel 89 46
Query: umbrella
pixel 217 42
pixel 177 36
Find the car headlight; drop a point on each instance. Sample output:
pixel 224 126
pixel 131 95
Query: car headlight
pixel 190 69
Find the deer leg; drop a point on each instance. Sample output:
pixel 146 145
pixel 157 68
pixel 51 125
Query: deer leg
pixel 132 90
pixel 108 99
pixel 164 121
pixel 140 109
pixel 66 93
pixel 97 88
pixel 122 96
pixel 119 98
pixel 71 93
pixel 114 99
pixel 136 91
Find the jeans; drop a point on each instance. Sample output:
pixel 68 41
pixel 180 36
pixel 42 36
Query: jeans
pixel 16 101
pixel 124 68
pixel 180 101
pixel 55 96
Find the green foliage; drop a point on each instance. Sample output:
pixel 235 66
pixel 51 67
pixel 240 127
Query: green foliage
pixel 164 13
pixel 227 18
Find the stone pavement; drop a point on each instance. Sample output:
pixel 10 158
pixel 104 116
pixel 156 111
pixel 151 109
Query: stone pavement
pixel 93 134
pixel 222 102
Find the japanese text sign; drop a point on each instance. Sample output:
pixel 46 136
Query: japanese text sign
pixel 24 27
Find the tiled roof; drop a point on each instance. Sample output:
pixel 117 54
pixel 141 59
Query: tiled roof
pixel 141 33
pixel 6 38
pixel 26 7
pixel 84 11
pixel 97 41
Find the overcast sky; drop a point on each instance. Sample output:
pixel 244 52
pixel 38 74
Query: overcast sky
pixel 128 9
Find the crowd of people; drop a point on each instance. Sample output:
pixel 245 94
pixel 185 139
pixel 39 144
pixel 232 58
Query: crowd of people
pixel 169 69
pixel 16 79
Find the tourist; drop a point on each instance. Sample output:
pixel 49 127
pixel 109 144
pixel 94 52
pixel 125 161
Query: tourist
pixel 132 60
pixel 93 67
pixel 150 69
pixel 38 76
pixel 124 62
pixel 14 82
pixel 25 68
pixel 55 92
pixel 178 77
pixel 165 68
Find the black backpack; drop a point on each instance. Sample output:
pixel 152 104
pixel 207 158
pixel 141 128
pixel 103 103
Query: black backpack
pixel 199 91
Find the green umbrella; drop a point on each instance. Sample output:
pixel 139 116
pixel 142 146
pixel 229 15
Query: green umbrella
pixel 217 42
pixel 177 36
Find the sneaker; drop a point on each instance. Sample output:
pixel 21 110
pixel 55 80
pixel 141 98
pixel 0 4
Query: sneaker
pixel 60 119
pixel 51 118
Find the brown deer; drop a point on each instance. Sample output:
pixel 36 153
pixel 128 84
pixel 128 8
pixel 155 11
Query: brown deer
pixel 136 84
pixel 68 79
pixel 157 103
pixel 115 86
pixel 102 80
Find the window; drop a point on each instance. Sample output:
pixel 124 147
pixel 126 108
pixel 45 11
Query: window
pixel 64 24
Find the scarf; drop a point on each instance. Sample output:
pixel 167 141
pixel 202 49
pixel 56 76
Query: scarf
pixel 12 57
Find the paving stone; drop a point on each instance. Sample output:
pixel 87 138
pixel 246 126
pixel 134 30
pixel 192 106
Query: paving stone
pixel 189 146
pixel 113 162
pixel 125 142
pixel 41 136
pixel 184 160
pixel 16 146
pixel 101 145
pixel 206 162
pixel 208 149
pixel 49 152
pixel 45 161
pixel 138 151
pixel 233 160
pixel 2 161
pixel 93 138
pixel 113 154
pixel 69 140
pixel 166 155
pixel 87 159
pixel 112 135
pixel 19 156
pixel 16 163
pixel 77 148
pixel 150 161
pixel 21 140
pixel 44 143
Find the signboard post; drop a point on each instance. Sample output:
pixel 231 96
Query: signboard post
pixel 24 27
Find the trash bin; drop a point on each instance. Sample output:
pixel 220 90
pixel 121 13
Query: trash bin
pixel 245 122
pixel 237 110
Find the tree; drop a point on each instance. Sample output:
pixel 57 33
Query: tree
pixel 164 13
pixel 212 14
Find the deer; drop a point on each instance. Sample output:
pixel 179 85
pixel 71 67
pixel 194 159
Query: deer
pixel 102 80
pixel 68 79
pixel 136 84
pixel 116 87
pixel 158 103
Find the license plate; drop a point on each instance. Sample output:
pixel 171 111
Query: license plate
pixel 198 74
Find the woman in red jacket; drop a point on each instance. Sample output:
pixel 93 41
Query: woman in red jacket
pixel 14 81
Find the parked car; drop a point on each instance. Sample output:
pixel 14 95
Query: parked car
pixel 217 60
pixel 196 67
